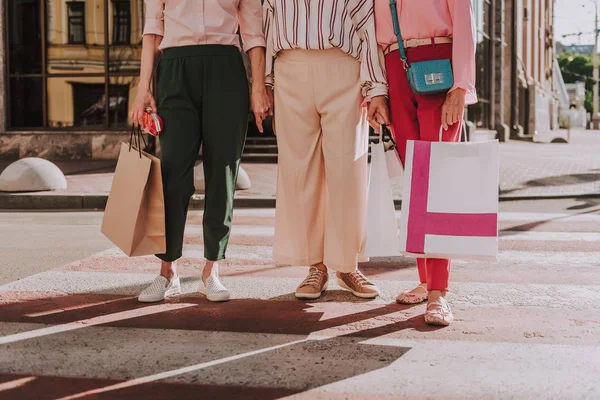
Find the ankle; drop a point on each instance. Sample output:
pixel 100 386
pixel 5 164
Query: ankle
pixel 208 269
pixel 342 274
pixel 321 267
pixel 434 295
pixel 168 270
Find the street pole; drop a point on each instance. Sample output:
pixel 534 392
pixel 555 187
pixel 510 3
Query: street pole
pixel 595 73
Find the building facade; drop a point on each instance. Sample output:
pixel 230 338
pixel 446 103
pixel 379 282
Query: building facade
pixel 70 71
pixel 515 70
pixel 70 68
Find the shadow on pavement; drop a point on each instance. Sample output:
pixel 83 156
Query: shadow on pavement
pixel 533 225
pixel 316 343
pixel 564 180
pixel 585 205
pixel 558 180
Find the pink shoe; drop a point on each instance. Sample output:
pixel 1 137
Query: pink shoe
pixel 439 313
pixel 415 296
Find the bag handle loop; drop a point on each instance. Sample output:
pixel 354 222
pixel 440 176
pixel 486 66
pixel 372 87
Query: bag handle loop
pixel 463 132
pixel 138 135
pixel 383 132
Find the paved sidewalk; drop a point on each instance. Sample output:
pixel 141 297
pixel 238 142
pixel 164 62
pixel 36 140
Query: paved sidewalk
pixel 527 326
pixel 527 170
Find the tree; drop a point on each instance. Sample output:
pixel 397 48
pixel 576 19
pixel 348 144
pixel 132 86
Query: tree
pixel 578 68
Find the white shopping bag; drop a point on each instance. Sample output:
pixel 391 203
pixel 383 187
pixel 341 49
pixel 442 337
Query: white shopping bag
pixel 381 226
pixel 450 200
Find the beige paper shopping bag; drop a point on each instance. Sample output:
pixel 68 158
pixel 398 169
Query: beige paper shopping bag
pixel 134 218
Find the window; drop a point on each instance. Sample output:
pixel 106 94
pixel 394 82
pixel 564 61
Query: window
pixel 59 76
pixel 24 36
pixel 88 103
pixel 76 17
pixel 480 113
pixel 121 22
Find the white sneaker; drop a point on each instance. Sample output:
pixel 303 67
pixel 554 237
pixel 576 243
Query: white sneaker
pixel 160 289
pixel 213 289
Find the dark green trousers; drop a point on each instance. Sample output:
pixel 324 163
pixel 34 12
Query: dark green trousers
pixel 202 97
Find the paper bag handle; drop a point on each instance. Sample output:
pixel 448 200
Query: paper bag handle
pixel 383 132
pixel 463 131
pixel 136 133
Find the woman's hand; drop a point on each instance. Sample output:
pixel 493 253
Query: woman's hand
pixel 261 104
pixel 453 107
pixel 378 112
pixel 143 100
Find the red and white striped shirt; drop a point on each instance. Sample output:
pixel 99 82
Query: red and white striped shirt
pixel 326 24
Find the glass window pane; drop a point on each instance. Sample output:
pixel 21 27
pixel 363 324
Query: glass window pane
pixel 76 22
pixel 26 103
pixel 76 102
pixel 24 36
pixel 482 82
pixel 121 22
pixel 75 36
pixel 480 113
pixel 122 92
pixel 126 29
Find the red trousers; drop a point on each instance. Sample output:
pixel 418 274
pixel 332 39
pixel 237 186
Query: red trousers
pixel 418 117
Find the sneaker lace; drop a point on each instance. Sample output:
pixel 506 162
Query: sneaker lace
pixel 359 279
pixel 313 278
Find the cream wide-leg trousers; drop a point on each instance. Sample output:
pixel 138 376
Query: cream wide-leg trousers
pixel 322 140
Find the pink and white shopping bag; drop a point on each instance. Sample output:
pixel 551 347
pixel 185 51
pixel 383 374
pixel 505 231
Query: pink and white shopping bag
pixel 450 200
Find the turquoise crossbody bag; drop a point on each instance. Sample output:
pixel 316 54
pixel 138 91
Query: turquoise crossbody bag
pixel 425 77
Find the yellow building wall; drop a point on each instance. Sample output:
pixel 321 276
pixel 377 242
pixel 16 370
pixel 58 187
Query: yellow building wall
pixel 75 59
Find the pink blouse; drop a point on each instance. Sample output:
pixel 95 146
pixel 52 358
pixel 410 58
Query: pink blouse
pixel 420 19
pixel 192 22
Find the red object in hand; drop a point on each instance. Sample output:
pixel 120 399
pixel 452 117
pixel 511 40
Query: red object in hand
pixel 152 123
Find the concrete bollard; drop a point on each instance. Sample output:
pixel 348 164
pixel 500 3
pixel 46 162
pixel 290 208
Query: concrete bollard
pixel 32 175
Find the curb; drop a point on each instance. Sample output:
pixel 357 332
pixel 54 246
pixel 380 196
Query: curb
pixel 85 202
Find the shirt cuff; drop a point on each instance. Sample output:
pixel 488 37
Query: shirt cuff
pixel 154 27
pixel 255 42
pixel 471 94
pixel 377 89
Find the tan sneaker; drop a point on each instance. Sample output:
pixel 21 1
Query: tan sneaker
pixel 358 284
pixel 313 285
